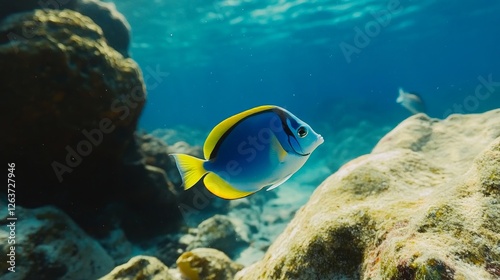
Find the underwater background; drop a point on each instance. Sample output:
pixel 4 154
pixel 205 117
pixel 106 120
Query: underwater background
pixel 226 56
pixel 335 64
pixel 99 94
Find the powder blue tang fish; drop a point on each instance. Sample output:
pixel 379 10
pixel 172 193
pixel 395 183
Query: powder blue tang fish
pixel 258 148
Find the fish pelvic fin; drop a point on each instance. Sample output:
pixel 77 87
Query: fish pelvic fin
pixel 221 188
pixel 191 169
pixel 275 185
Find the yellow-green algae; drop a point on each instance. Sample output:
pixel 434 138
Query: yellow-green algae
pixel 188 265
pixel 207 264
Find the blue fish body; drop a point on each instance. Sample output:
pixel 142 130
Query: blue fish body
pixel 261 147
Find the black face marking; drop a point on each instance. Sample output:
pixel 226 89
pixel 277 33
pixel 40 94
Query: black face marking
pixel 283 117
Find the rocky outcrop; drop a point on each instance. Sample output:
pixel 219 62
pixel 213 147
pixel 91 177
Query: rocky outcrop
pixel 201 263
pixel 49 245
pixel 220 233
pixel 115 27
pixel 77 101
pixel 423 205
pixel 13 7
pixel 206 263
pixel 140 267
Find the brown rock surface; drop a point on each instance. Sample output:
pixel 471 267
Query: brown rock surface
pixel 70 106
pixel 113 24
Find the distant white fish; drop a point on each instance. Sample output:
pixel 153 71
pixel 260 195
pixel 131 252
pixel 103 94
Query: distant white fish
pixel 411 101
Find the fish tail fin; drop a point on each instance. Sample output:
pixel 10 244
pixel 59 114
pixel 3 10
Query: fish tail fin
pixel 191 169
pixel 400 95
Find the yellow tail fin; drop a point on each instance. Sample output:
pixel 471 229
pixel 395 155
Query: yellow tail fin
pixel 191 169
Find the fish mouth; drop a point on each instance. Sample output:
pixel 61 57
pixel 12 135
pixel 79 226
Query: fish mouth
pixel 319 141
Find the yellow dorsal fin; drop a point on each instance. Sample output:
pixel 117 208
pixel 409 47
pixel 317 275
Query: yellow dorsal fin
pixel 221 188
pixel 216 134
pixel 191 169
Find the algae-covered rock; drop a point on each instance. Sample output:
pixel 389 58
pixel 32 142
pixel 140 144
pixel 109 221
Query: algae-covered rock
pixel 49 245
pixel 207 264
pixel 140 267
pixel 113 24
pixel 217 232
pixel 423 205
pixel 12 7
pixel 61 83
pixel 77 101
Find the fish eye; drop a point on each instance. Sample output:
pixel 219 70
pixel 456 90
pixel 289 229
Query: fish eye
pixel 302 132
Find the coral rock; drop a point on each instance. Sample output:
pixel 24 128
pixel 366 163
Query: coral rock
pixel 218 232
pixel 115 27
pixel 78 102
pixel 63 79
pixel 425 204
pixel 12 7
pixel 49 245
pixel 113 24
pixel 140 267
pixel 207 264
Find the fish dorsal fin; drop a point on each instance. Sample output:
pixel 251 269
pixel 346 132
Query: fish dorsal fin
pixel 218 133
pixel 221 188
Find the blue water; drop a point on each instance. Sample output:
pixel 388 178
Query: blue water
pixel 218 58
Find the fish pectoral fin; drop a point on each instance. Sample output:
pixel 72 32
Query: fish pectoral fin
pixel 191 169
pixel 275 185
pixel 221 188
pixel 279 149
